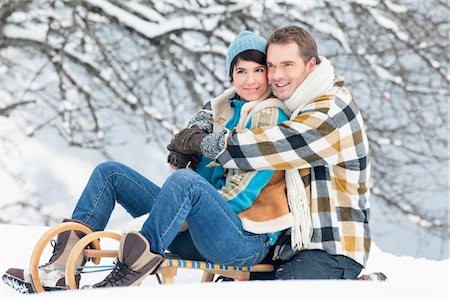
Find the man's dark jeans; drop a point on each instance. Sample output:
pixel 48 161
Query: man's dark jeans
pixel 312 264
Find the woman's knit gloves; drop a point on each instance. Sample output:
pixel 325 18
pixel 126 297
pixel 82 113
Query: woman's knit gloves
pixel 185 148
pixel 188 141
pixel 195 141
pixel 182 161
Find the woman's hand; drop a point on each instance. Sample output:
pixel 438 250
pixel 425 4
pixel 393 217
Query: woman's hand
pixel 188 141
pixel 181 161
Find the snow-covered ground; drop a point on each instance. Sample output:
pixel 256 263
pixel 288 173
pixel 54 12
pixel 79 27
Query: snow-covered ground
pixel 409 278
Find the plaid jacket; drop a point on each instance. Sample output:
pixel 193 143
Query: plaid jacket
pixel 328 144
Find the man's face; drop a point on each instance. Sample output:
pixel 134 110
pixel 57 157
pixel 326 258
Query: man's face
pixel 286 69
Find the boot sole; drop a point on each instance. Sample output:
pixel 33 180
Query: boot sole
pixel 24 287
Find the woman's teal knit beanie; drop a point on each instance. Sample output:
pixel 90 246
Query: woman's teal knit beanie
pixel 244 41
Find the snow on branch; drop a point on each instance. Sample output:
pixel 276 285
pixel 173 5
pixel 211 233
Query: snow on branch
pixel 151 30
pixel 6 110
pixel 388 24
pixel 150 14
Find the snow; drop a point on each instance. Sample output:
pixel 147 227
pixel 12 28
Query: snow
pixel 382 72
pixel 337 33
pixel 83 59
pixel 151 30
pixel 132 99
pixel 409 278
pixel 213 10
pixel 194 45
pixel 389 25
pixel 37 33
pixel 145 11
pixel 368 2
pixel 396 8
pixel 153 111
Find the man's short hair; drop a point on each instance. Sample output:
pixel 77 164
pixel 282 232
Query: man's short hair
pixel 304 40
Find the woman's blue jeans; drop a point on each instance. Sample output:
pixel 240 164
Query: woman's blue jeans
pixel 215 230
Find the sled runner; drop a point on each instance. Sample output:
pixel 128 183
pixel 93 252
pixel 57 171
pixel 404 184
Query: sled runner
pixel 89 248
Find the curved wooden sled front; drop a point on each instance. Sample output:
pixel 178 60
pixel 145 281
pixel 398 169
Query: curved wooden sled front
pixel 96 253
pixel 42 243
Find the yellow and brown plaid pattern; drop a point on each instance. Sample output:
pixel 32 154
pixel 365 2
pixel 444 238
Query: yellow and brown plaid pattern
pixel 328 144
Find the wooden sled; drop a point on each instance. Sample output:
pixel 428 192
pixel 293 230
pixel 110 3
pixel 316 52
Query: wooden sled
pixel 93 253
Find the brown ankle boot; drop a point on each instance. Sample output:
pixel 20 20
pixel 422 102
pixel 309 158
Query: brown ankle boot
pixel 51 274
pixel 134 264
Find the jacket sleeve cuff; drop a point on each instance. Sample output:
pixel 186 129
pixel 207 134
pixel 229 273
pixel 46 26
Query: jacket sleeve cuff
pixel 213 144
pixel 202 119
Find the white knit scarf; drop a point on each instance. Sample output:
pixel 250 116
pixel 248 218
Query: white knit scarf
pixel 319 82
pixel 223 111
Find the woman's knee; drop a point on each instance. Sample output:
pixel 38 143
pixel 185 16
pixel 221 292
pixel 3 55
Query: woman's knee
pixel 107 167
pixel 185 176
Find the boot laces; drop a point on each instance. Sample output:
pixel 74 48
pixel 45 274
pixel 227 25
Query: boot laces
pixel 56 246
pixel 119 273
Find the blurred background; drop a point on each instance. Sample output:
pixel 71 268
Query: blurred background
pixel 82 82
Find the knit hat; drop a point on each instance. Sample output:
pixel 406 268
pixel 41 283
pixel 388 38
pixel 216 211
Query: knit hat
pixel 244 41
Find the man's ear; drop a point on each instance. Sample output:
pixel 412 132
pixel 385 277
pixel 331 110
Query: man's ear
pixel 311 64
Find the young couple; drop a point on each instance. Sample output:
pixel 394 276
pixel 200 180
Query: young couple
pixel 256 172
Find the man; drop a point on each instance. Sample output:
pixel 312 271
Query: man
pixel 324 140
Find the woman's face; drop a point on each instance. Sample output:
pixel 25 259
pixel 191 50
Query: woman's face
pixel 250 79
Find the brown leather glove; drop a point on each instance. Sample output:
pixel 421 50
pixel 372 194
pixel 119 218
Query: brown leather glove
pixel 180 161
pixel 187 141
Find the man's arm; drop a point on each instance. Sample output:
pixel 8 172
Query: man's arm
pixel 327 132
pixel 309 140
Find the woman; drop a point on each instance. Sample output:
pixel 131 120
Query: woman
pixel 232 216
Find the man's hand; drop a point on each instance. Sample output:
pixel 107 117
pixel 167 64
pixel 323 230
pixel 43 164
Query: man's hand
pixel 181 161
pixel 187 141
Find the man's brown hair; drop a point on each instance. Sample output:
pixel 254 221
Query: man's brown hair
pixel 304 40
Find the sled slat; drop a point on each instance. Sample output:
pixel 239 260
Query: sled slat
pixel 100 253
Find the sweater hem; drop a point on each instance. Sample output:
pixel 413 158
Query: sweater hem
pixel 274 225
